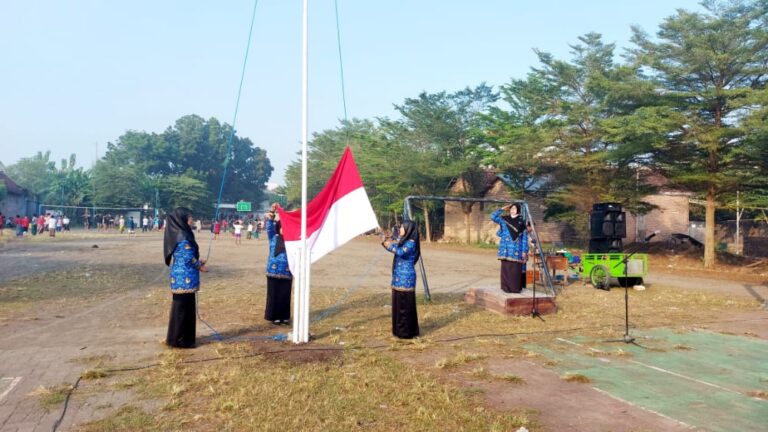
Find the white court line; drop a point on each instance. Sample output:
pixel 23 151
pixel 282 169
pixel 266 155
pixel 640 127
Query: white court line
pixel 662 370
pixel 14 381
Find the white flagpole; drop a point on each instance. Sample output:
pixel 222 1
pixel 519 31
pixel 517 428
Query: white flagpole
pixel 301 304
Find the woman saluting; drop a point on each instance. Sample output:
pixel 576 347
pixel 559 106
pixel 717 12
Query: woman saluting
pixel 513 246
pixel 179 246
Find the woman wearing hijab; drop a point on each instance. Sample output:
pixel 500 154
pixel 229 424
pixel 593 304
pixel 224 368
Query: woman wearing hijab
pixel 407 250
pixel 513 246
pixel 179 246
pixel 279 277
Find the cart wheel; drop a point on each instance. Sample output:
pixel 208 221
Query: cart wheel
pixel 600 277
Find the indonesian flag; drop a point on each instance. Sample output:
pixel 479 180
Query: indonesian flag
pixel 339 213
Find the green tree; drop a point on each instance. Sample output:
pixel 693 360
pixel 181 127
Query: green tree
pixel 34 173
pixel 186 191
pixel 710 75
pixel 439 128
pixel 192 148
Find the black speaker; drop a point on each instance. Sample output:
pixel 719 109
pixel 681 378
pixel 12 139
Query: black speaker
pixel 620 224
pixel 604 224
pixel 607 206
pixel 605 245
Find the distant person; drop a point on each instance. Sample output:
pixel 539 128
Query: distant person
pixel 2 224
pixel 65 223
pixel 279 277
pixel 51 225
pixel 19 226
pixel 156 224
pixel 180 247
pixel 131 225
pixel 59 223
pixel 198 225
pixel 33 225
pixel 121 224
pixel 238 227
pixel 513 246
pixel 216 229
pixel 40 223
pixel 144 224
pixel 249 230
pixel 407 250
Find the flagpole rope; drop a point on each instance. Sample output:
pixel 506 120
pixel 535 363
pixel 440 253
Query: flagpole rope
pixel 216 334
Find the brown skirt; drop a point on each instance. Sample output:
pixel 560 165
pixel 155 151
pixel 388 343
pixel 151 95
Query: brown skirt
pixel 511 280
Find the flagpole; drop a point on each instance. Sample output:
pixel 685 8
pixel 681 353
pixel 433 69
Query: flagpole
pixel 301 303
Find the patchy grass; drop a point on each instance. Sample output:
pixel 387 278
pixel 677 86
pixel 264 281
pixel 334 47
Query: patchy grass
pixel 458 360
pixel 510 378
pixel 577 378
pixel 51 397
pixel 93 373
pixel 760 394
pixel 358 389
pixel 128 418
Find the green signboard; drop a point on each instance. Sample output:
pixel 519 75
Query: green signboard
pixel 243 206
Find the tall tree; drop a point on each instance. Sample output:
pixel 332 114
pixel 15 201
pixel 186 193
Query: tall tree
pixel 439 126
pixel 711 71
pixel 34 173
pixel 193 149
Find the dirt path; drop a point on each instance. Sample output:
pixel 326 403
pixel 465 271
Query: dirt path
pixel 54 342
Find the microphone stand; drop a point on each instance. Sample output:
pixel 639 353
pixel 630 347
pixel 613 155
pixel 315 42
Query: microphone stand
pixel 535 309
pixel 627 338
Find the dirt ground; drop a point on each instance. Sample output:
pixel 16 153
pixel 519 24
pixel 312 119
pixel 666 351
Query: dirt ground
pixel 83 299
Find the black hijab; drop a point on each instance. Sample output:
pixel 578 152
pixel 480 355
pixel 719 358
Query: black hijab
pixel 516 225
pixel 411 233
pixel 280 243
pixel 177 230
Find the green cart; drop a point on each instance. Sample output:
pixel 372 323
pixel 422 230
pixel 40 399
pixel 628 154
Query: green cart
pixel 604 269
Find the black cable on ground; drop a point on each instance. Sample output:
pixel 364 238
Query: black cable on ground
pixel 66 404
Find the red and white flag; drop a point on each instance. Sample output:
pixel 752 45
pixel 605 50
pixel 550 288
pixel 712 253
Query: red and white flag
pixel 339 213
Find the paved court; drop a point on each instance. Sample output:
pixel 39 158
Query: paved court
pixel 707 380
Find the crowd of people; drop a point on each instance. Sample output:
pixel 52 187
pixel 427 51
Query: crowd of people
pixel 37 224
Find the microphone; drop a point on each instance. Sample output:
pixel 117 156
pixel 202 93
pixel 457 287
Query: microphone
pixel 652 235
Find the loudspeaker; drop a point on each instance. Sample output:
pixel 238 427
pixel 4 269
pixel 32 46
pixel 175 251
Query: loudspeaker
pixel 612 245
pixel 607 206
pixel 610 223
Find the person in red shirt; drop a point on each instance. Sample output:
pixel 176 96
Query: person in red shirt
pixel 25 223
pixel 2 223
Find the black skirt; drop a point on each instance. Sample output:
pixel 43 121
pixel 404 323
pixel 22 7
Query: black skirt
pixel 181 327
pixel 511 280
pixel 405 322
pixel 278 299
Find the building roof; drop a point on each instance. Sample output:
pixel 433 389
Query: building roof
pixel 11 186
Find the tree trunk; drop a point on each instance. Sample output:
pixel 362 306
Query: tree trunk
pixel 427 228
pixel 467 225
pixel 709 233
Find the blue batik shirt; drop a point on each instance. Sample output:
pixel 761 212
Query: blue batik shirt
pixel 277 266
pixel 509 250
pixel 185 270
pixel 404 274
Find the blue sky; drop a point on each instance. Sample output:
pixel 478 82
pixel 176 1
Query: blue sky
pixel 77 74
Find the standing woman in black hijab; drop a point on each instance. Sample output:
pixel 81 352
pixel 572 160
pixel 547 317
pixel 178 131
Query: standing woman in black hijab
pixel 279 277
pixel 513 246
pixel 407 250
pixel 179 246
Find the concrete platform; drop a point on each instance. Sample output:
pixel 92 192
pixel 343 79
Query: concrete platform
pixel 496 300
